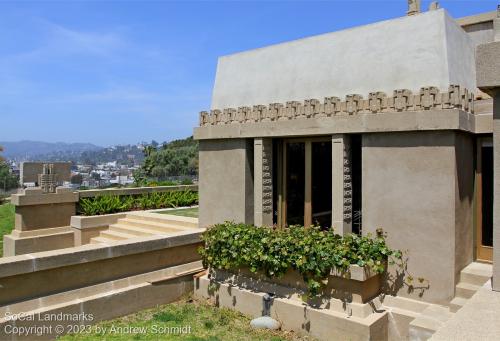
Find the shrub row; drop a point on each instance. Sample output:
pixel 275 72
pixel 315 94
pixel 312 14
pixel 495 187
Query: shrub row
pixel 107 204
pixel 311 251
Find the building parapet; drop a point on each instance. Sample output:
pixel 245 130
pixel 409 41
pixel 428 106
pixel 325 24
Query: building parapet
pixel 428 98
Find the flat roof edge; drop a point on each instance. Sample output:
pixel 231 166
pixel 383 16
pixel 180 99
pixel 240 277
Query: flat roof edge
pixel 477 18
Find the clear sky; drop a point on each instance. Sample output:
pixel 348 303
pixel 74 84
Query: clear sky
pixel 120 72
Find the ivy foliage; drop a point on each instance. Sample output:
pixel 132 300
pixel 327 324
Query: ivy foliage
pixel 107 204
pixel 310 251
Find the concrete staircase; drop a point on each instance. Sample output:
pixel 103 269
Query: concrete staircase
pixel 428 322
pixel 472 277
pixel 144 224
pixel 432 318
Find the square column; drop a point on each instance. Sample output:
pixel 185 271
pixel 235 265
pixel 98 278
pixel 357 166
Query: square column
pixel 341 184
pixel 263 182
pixel 488 80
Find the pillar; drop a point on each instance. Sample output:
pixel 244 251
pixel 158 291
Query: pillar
pixel 341 185
pixel 263 182
pixel 488 80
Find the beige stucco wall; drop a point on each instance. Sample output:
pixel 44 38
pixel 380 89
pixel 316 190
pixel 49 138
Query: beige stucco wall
pixel 418 188
pixel 464 201
pixel 226 181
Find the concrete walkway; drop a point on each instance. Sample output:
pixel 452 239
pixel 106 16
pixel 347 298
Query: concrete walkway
pixel 479 319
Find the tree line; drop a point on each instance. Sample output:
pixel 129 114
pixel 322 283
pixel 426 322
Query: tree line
pixel 171 159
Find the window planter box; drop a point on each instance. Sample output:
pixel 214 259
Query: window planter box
pixel 358 285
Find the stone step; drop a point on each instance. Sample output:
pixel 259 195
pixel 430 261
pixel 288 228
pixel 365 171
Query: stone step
pixel 100 240
pixel 428 322
pixel 457 303
pixel 476 273
pixel 137 231
pixel 466 290
pixel 423 327
pixel 116 235
pixel 437 312
pixel 165 219
pixel 151 225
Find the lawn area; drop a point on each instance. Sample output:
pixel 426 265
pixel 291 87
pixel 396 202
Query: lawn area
pixel 185 212
pixel 6 222
pixel 204 321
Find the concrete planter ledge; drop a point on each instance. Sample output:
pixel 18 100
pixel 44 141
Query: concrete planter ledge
pixel 23 264
pixel 358 285
pixel 355 273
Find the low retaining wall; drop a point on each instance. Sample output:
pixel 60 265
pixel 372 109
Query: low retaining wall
pixel 106 281
pixel 44 273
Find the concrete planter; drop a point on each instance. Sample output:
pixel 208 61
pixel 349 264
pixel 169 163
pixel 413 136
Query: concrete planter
pixel 359 284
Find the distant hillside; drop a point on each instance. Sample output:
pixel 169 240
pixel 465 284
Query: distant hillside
pixel 30 150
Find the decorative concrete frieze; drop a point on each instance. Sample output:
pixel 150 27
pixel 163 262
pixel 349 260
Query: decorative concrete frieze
pixel 294 109
pixel 313 108
pixel 427 98
pixel 204 118
pixel 275 111
pixel 259 113
pixel 332 105
pixel 353 104
pixel 244 114
pixel 377 101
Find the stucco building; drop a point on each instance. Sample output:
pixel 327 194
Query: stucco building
pixel 375 126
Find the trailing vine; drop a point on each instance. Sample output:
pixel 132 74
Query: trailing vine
pixel 313 252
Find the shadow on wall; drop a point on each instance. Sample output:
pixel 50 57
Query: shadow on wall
pixel 397 278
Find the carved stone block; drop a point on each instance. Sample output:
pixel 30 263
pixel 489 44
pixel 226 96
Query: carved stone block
pixel 259 113
pixel 204 118
pixel 402 99
pixel 215 116
pixel 244 114
pixel 229 115
pixel 312 108
pixel 377 101
pixel 428 97
pixel 332 106
pixel 293 110
pixel 353 103
pixel 275 111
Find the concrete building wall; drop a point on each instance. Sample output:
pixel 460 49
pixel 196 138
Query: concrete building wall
pixel 415 187
pixel 464 201
pixel 460 56
pixel 425 48
pixel 226 181
pixel 480 33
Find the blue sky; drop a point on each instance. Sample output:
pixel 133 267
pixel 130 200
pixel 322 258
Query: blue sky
pixel 120 72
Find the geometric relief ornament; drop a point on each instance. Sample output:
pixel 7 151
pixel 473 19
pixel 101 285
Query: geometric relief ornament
pixel 427 98
pixel 267 177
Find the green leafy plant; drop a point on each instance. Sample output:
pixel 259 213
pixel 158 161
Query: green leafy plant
pixel 312 252
pixel 107 204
